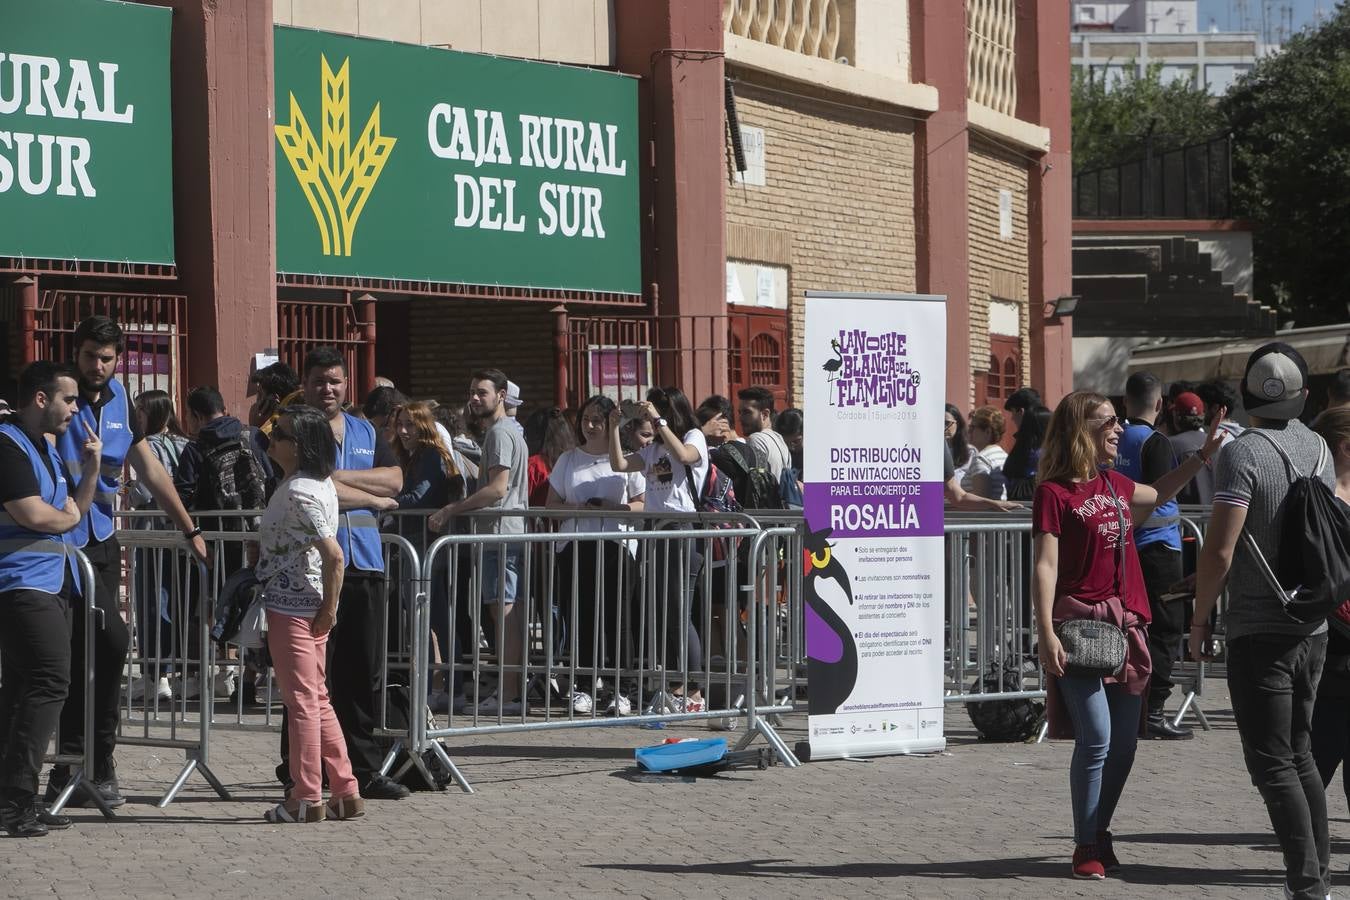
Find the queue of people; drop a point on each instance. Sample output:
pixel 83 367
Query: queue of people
pixel 326 473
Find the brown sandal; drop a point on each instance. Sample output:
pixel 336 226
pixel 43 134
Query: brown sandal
pixel 295 811
pixel 351 807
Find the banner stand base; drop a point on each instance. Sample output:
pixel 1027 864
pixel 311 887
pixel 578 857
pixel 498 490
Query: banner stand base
pixel 909 748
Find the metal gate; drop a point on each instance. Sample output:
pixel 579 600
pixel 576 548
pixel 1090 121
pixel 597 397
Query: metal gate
pixel 154 325
pixel 303 325
pixel 624 356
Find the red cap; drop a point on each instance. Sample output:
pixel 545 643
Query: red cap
pixel 1188 404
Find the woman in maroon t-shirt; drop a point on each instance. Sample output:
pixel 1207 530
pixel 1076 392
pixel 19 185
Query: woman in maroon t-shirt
pixel 1087 568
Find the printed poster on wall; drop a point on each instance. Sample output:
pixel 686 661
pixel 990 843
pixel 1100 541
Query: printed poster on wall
pixel 873 577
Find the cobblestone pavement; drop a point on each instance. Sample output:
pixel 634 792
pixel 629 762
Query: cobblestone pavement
pixel 563 814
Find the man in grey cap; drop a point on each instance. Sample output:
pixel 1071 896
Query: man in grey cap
pixel 1274 662
pixel 512 404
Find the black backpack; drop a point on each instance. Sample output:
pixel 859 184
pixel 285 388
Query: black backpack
pixel 751 479
pixel 232 478
pixel 1004 720
pixel 1314 576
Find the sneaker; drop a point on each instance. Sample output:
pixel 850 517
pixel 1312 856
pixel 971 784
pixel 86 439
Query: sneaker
pixel 107 788
pixel 1288 892
pixel 582 703
pixel 222 686
pixel 1107 852
pixel 682 704
pixel 493 706
pixel 726 723
pixel 189 688
pixel 439 702
pixel 660 705
pixel 53 821
pixel 462 705
pixel 143 685
pixel 381 787
pixel 1086 863
pixel 619 705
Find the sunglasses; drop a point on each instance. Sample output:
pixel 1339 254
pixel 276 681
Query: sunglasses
pixel 1108 422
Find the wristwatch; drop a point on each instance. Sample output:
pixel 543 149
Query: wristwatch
pixel 193 533
pixel 660 423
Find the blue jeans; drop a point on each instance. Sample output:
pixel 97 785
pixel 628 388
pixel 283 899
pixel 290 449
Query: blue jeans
pixel 1106 728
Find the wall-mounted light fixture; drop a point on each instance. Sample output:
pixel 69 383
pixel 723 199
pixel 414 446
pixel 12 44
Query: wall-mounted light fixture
pixel 1062 306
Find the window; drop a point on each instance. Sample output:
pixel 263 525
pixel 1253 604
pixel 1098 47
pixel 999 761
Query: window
pixel 991 67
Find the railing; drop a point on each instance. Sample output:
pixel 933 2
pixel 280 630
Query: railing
pixel 622 626
pixel 1191 182
pixel 810 27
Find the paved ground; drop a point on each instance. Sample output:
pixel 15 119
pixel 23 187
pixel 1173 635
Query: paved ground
pixel 565 815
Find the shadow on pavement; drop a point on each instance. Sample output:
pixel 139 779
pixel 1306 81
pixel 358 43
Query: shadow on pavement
pixel 1056 868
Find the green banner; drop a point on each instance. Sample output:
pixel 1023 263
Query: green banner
pixel 85 139
pixel 409 162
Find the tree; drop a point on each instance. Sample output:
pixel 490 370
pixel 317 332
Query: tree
pixel 1290 119
pixel 1117 116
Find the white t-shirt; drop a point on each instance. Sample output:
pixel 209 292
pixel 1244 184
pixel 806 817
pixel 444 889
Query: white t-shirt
pixel 774 449
pixel 579 476
pixel 983 462
pixel 302 512
pixel 667 483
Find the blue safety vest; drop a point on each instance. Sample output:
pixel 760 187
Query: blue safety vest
pixel 33 560
pixel 358 529
pixel 1164 525
pixel 113 426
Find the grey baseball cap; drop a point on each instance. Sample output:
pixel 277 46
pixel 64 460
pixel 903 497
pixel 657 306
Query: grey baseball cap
pixel 512 395
pixel 1276 381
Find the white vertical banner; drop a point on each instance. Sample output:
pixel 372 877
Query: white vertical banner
pixel 873 576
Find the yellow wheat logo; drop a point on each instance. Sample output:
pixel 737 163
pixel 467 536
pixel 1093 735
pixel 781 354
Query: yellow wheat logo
pixel 337 179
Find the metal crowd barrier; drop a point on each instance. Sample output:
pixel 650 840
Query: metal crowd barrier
pixel 1195 522
pixel 699 582
pixel 82 766
pixel 182 590
pixel 736 579
pixel 991 627
pixel 161 564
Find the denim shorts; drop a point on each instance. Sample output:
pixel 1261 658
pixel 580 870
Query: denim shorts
pixel 498 586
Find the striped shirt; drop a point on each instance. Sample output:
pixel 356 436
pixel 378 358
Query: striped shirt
pixel 1251 474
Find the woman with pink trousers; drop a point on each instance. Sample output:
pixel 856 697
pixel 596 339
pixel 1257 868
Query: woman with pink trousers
pixel 300 568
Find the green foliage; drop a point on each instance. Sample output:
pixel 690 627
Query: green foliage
pixel 1291 124
pixel 1114 115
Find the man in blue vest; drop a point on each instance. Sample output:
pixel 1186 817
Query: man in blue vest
pixel 37 579
pixel 1145 455
pixel 106 412
pixel 367 479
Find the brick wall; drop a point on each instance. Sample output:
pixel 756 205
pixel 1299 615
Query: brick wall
pixel 838 198
pixel 449 339
pixel 997 266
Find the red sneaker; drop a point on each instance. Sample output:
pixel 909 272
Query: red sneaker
pixel 1087 863
pixel 1106 852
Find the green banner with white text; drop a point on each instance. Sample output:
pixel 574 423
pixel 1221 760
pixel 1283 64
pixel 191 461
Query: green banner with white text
pixel 85 137
pixel 407 162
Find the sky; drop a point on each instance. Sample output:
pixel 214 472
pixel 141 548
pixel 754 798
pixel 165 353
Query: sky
pixel 1224 13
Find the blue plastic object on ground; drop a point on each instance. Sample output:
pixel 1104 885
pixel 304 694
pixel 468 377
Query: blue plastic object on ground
pixel 681 755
